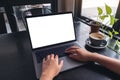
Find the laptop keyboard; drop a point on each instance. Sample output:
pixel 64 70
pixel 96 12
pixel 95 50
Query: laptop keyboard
pixel 60 51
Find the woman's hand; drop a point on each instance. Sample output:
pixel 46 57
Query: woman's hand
pixel 50 67
pixel 78 54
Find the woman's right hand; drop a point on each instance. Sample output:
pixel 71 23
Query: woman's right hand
pixel 79 54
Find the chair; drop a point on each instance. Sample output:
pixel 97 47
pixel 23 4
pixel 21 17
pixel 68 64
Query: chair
pixel 2 24
pixel 36 11
pixel 31 12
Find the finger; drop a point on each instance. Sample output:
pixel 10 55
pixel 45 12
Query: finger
pixel 72 47
pixel 52 56
pixel 48 57
pixel 56 58
pixel 43 60
pixel 61 64
pixel 71 51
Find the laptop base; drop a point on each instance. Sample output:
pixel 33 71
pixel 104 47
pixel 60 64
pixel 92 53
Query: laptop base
pixel 67 65
pixel 67 62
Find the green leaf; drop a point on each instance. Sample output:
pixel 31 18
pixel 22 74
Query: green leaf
pixel 115 32
pixel 116 20
pixel 108 9
pixel 118 42
pixel 112 20
pixel 103 17
pixel 103 26
pixel 116 47
pixel 111 35
pixel 100 11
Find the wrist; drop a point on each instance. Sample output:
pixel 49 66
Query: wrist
pixel 93 56
pixel 46 77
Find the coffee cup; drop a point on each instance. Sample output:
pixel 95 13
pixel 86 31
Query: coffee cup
pixel 96 39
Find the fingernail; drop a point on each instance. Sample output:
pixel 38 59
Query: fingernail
pixel 75 54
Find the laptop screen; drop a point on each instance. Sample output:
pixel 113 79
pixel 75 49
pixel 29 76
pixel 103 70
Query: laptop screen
pixel 50 29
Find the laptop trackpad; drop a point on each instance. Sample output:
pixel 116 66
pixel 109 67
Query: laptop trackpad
pixel 69 63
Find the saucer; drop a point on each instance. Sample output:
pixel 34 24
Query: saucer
pixel 103 45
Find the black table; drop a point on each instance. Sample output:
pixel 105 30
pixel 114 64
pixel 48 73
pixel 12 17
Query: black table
pixel 16 59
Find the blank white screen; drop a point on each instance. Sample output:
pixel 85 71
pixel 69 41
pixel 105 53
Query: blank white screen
pixel 51 29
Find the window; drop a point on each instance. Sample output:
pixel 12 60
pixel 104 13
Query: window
pixel 29 10
pixel 14 11
pixel 89 8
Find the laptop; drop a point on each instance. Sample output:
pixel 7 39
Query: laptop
pixel 52 33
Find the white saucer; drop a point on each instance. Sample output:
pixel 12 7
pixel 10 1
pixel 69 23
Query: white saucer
pixel 103 45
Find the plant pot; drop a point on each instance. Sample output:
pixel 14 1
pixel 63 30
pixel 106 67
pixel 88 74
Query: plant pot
pixel 95 26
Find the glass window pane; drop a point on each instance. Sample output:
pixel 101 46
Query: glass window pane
pixel 29 10
pixel 4 24
pixel 89 8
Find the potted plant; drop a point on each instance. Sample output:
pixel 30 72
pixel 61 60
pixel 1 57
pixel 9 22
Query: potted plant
pixel 107 14
pixel 95 26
